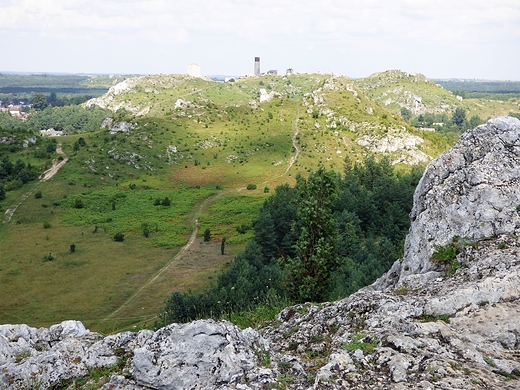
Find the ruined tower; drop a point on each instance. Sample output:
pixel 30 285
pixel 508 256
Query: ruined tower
pixel 257 66
pixel 193 70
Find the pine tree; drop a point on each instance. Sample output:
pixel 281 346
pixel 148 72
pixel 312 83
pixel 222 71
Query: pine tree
pixel 307 276
pixel 207 235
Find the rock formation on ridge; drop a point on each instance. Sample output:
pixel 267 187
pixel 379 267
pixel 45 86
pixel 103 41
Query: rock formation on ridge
pixel 418 327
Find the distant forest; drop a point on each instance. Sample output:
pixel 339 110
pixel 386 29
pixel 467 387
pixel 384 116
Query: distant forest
pixel 473 88
pixel 26 91
pixel 23 86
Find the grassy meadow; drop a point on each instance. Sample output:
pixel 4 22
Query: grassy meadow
pixel 93 197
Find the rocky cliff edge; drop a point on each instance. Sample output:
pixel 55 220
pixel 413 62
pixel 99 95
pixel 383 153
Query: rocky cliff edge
pixel 449 324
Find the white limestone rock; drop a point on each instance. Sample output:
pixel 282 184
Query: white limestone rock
pixel 471 191
pixel 199 354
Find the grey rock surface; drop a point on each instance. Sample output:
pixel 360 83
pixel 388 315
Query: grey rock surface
pixel 201 354
pixel 471 191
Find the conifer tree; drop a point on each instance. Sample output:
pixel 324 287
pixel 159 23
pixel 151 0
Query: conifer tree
pixel 307 275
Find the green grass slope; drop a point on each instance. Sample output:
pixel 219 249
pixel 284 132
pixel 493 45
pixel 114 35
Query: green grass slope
pixel 215 150
pixel 395 90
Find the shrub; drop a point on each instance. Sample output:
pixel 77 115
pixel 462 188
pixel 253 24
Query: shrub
pixel 251 186
pixel 38 195
pixel 146 230
pixel 72 248
pixel 46 225
pixel 78 203
pixel 207 235
pixel 119 237
pixel 447 255
pixel 242 229
pixel 223 245
pixel 48 257
pixel 13 185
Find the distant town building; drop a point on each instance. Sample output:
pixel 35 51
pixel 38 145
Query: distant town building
pixel 272 72
pixel 193 70
pixel 51 133
pixel 257 66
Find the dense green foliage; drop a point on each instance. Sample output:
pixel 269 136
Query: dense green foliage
pixel 14 174
pixel 10 125
pixel 351 227
pixel 462 87
pixel 445 124
pixel 307 275
pixel 69 119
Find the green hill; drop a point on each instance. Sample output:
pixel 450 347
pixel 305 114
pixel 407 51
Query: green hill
pixel 395 89
pixel 176 154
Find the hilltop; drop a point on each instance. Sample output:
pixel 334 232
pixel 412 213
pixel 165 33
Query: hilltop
pixel 332 114
pixel 397 90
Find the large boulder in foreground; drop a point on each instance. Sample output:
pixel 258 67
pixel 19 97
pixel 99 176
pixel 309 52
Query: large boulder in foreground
pixel 472 191
pixel 201 354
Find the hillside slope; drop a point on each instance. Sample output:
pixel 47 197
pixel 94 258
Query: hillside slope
pixel 190 140
pixel 395 90
pixel 455 329
pixel 330 116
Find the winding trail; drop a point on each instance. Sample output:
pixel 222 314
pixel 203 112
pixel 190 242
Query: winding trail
pixel 49 173
pixel 203 206
pixel 294 143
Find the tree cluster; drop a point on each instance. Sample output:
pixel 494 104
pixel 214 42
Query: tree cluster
pixel 321 240
pixel 69 119
pixel 14 175
pixel 444 123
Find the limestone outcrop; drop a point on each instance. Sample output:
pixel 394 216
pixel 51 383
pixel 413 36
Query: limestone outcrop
pixel 472 191
pixel 453 324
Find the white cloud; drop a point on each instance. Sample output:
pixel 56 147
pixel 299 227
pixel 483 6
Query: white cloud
pixel 359 26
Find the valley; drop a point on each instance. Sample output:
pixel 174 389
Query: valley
pixel 216 151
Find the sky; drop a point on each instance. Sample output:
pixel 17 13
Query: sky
pixel 472 39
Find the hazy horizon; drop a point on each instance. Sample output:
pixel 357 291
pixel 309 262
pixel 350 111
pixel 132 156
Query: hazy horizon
pixel 459 39
pixel 226 75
